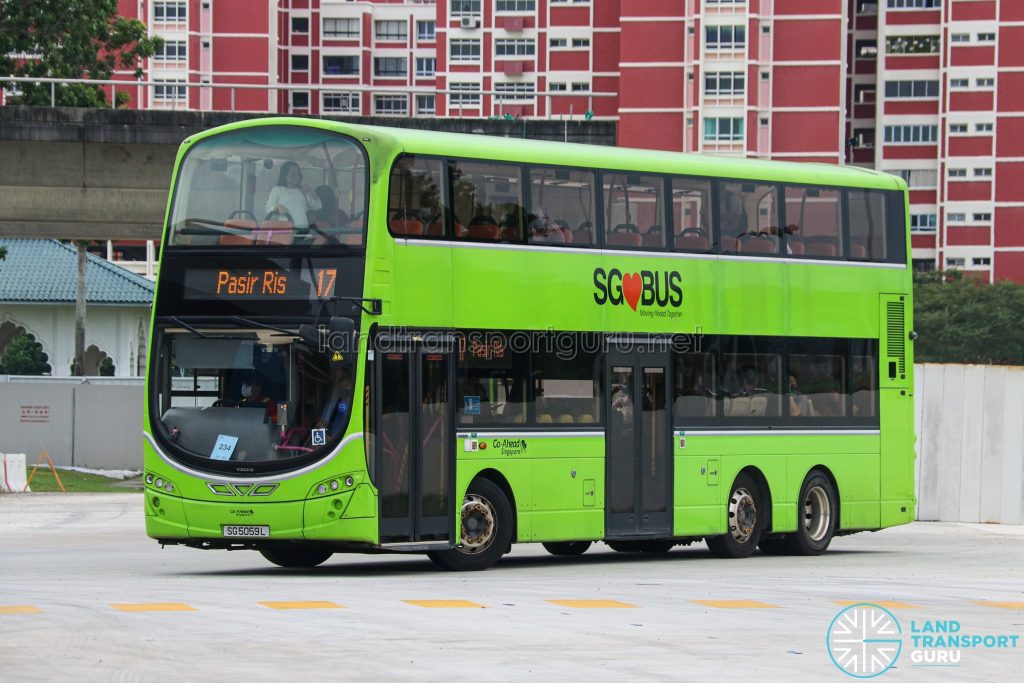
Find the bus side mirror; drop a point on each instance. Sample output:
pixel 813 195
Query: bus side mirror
pixel 342 335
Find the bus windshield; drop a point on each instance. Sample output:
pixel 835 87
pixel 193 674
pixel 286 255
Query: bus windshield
pixel 252 397
pixel 271 186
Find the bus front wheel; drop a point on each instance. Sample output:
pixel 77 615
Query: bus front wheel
pixel 295 555
pixel 485 529
pixel 745 521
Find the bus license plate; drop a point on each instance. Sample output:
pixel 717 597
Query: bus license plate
pixel 245 531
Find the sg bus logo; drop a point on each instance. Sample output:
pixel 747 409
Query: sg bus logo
pixel 647 288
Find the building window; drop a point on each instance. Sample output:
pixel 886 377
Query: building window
pixel 341 65
pixel 911 134
pixel 465 8
pixel 914 4
pixel 923 265
pixel 170 12
pixel 581 87
pixel 981 217
pixel 391 30
pixel 922 222
pixel 515 5
pixel 341 28
pixel 986 37
pixel 958 173
pixel 464 94
pixel 912 45
pixel 390 104
pixel 172 51
pixel 724 83
pixel 718 129
pixel 865 137
pixel 918 178
pixel 426 105
pixel 167 90
pixel 983 127
pixel 558 87
pixel 864 93
pixel 300 24
pixel 960 37
pixel 300 62
pixel 986 82
pixel 983 172
pixel 341 102
pixel 300 99
pixel 956 217
pixel 901 89
pixel 581 42
pixel 426 30
pixel 559 42
pixel 515 47
pixel 390 67
pixel 959 83
pixel 952 262
pixel 464 50
pixel 725 37
pixel 981 261
pixel 513 91
pixel 958 128
pixel 426 66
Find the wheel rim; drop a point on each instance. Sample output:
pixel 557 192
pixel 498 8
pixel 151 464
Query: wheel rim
pixel 479 523
pixel 742 515
pixel 817 513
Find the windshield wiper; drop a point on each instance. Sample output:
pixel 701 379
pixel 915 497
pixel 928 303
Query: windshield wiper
pixel 194 331
pixel 253 323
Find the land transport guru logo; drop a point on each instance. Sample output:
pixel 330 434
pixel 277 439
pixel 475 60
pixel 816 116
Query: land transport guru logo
pixel 649 292
pixel 866 640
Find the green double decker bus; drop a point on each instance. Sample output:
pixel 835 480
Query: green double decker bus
pixel 369 339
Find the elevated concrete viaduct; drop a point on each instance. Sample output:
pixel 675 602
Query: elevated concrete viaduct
pixel 102 174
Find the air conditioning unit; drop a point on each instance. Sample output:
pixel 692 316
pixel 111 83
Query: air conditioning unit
pixel 469 22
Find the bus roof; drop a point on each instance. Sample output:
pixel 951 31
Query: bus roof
pixel 428 142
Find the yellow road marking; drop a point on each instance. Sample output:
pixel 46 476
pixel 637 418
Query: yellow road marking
pixel 736 604
pixel 301 604
pixel 154 607
pixel 592 604
pixel 888 604
pixel 456 604
pixel 994 603
pixel 19 609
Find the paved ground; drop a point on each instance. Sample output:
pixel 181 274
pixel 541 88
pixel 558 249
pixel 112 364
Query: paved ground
pixel 85 596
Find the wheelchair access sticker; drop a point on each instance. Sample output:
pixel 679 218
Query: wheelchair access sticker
pixel 318 436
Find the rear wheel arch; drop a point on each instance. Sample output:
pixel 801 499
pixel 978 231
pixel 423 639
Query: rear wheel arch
pixel 765 491
pixel 835 487
pixel 499 480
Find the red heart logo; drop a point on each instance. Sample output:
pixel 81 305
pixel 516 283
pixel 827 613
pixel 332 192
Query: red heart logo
pixel 631 288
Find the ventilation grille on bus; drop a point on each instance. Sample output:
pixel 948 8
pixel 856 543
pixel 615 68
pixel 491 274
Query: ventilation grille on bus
pixel 894 330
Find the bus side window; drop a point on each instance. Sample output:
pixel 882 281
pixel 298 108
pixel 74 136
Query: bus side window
pixel 487 199
pixel 416 198
pixel 813 222
pixel 691 214
pixel 867 224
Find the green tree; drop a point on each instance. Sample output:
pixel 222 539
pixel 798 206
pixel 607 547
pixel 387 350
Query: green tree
pixel 24 356
pixel 69 39
pixel 962 320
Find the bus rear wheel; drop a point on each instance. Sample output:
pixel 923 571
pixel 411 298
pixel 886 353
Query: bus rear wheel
pixel 817 516
pixel 295 555
pixel 567 548
pixel 744 522
pixel 485 530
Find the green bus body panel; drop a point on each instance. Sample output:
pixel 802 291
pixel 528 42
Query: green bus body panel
pixel 438 285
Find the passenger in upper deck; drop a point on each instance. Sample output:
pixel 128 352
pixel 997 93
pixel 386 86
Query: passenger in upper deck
pixel 291 198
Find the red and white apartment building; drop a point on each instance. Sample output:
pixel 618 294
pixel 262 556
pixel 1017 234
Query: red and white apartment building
pixel 932 90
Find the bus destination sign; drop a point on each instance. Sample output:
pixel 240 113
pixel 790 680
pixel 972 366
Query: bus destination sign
pixel 228 284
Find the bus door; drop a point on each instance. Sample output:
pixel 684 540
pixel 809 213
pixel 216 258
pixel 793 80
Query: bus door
pixel 415 441
pixel 638 461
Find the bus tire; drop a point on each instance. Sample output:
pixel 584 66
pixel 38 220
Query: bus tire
pixel 485 530
pixel 816 516
pixel 567 548
pixel 295 555
pixel 744 521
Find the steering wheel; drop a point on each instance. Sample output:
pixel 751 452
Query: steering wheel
pixel 225 403
pixel 242 213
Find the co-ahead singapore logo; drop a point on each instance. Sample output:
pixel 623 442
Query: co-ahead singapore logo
pixel 864 640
